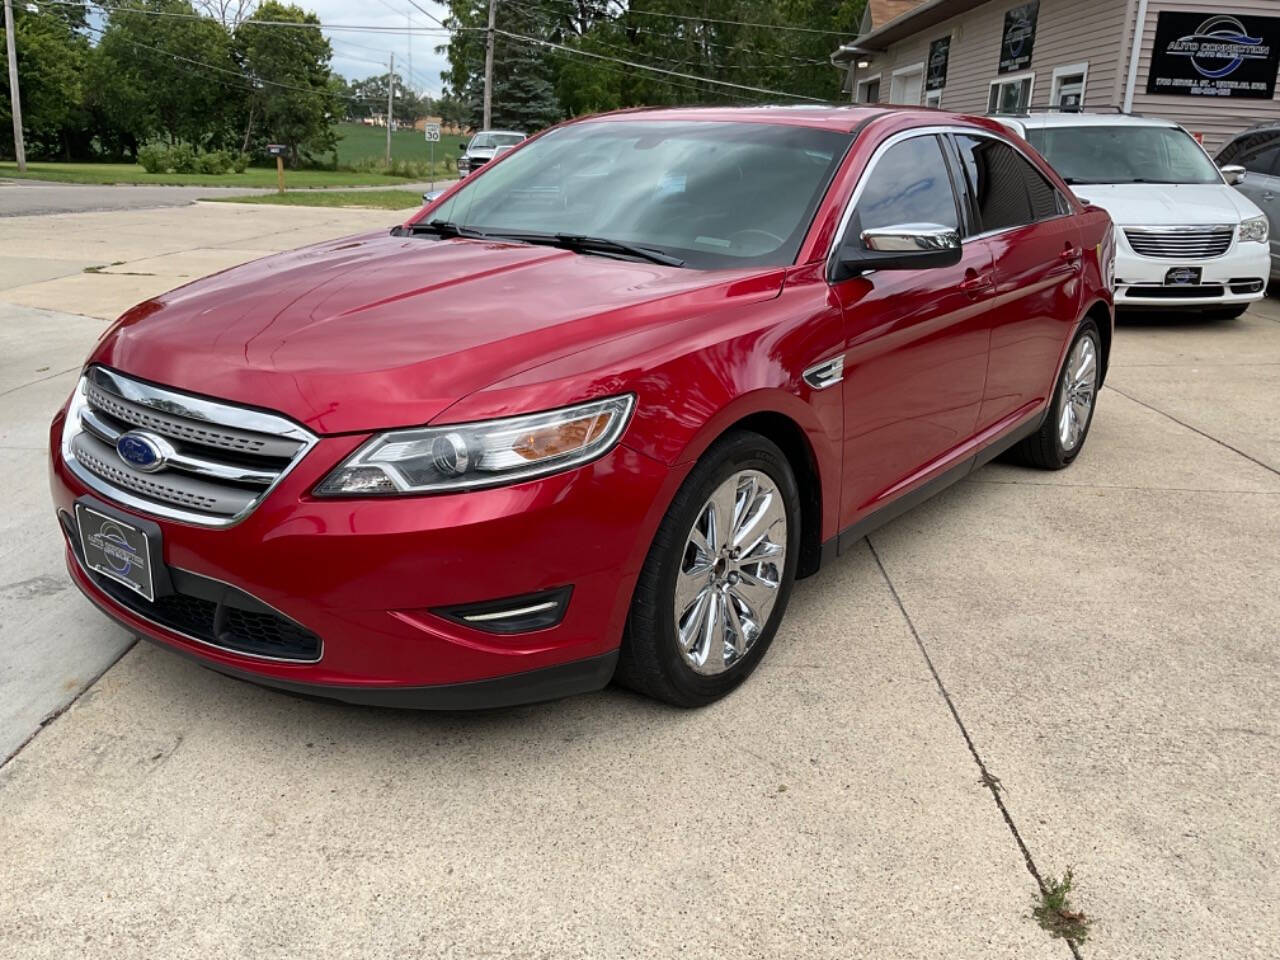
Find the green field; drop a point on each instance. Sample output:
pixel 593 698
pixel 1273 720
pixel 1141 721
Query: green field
pixel 253 177
pixel 359 142
pixel 369 199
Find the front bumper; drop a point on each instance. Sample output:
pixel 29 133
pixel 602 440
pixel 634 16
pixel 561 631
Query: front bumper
pixel 1238 276
pixel 367 577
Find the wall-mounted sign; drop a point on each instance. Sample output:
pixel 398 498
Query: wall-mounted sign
pixel 1018 38
pixel 1215 56
pixel 936 75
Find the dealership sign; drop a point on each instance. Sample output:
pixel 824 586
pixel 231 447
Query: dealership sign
pixel 1018 38
pixel 939 52
pixel 1215 56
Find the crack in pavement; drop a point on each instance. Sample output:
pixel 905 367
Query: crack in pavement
pixel 32 383
pixel 989 782
pixel 1195 430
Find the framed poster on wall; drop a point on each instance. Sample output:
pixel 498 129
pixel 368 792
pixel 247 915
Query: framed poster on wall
pixel 1018 38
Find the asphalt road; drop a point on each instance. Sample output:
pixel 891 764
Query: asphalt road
pixel 24 198
pixel 1031 672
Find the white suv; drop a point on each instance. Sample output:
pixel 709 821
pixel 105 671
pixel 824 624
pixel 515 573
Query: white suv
pixel 1185 238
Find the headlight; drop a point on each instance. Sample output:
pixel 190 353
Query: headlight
pixel 1254 230
pixel 484 454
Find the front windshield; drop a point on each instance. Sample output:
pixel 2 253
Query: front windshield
pixel 1124 154
pixel 488 140
pixel 711 194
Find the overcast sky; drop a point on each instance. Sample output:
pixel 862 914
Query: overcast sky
pixel 357 55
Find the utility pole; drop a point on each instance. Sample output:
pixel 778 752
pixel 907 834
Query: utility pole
pixel 488 63
pixel 391 92
pixel 19 149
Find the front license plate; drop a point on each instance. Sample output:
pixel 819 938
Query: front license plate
pixel 1182 277
pixel 116 549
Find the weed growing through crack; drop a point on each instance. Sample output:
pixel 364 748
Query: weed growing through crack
pixel 1055 913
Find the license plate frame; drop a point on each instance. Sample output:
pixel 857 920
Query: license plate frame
pixel 1182 276
pixel 117 549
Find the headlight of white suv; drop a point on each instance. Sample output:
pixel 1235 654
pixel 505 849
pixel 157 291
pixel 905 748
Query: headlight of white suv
pixel 484 454
pixel 1254 230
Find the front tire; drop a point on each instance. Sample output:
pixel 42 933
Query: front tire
pixel 1066 426
pixel 718 576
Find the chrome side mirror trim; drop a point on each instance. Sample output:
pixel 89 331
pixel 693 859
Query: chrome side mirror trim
pixel 1233 173
pixel 911 238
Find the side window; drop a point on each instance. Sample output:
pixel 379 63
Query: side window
pixel 909 183
pixel 1263 158
pixel 1008 190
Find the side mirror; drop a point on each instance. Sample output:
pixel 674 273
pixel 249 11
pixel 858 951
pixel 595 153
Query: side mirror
pixel 1233 173
pixel 907 246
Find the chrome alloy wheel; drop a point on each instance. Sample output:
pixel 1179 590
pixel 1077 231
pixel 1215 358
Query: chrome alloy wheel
pixel 730 572
pixel 1079 387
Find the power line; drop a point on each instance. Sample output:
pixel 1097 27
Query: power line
pixel 671 73
pixel 733 23
pixel 801 63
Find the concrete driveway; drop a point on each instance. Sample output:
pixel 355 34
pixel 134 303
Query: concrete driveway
pixel 1031 672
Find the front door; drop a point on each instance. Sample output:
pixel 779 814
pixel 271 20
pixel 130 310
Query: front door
pixel 1035 246
pixel 916 355
pixel 1262 184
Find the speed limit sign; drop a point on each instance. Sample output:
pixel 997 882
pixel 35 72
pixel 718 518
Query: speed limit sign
pixel 433 132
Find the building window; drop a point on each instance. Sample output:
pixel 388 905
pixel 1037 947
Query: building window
pixel 1068 86
pixel 1011 94
pixel 869 90
pixel 907 85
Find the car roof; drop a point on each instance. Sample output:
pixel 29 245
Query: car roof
pixel 842 117
pixel 513 133
pixel 1041 121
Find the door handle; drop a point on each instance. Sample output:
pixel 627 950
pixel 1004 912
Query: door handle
pixel 975 284
pixel 1071 255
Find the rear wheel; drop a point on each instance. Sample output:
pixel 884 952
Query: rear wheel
pixel 1061 437
pixel 718 575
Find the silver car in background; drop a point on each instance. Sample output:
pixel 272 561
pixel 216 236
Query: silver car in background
pixel 1257 150
pixel 484 146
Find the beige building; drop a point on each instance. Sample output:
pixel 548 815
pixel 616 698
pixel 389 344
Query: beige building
pixel 1210 66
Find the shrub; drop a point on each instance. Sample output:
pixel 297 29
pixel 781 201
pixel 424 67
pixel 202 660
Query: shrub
pixel 215 161
pixel 182 158
pixel 154 157
pixel 240 162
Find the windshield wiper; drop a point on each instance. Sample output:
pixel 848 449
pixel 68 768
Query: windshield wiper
pixel 579 242
pixel 445 228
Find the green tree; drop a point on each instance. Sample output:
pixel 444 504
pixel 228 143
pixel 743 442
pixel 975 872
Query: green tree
pixel 51 62
pixel 166 76
pixel 293 99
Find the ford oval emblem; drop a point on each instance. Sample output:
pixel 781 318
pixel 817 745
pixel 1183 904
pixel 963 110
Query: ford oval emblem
pixel 142 451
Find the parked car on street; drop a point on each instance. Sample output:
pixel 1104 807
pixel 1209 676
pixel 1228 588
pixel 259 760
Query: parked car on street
pixel 1185 239
pixel 486 145
pixel 589 414
pixel 1257 152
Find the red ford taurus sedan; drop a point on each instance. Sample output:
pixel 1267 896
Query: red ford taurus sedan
pixel 590 413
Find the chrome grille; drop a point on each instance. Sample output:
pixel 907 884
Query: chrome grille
pixel 219 459
pixel 1180 243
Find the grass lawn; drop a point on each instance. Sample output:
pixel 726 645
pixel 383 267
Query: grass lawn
pixel 375 199
pixel 359 142
pixel 132 173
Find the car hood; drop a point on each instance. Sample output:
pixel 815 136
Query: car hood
pixel 1168 204
pixel 380 331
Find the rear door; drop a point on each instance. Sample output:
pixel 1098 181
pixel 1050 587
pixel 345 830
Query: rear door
pixel 1035 246
pixel 917 339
